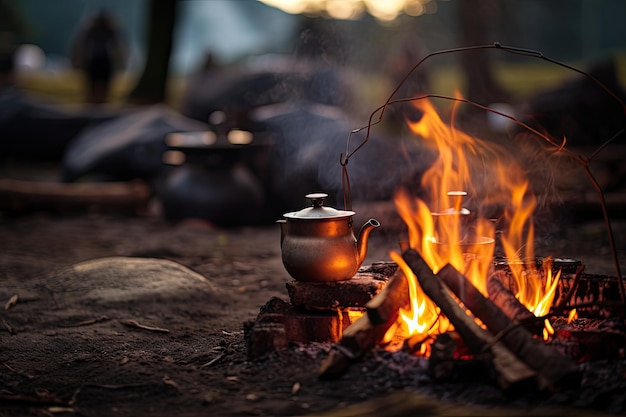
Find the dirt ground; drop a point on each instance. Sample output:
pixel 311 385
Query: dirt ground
pixel 95 344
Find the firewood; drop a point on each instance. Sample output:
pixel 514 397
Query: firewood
pixel 394 296
pixel 506 301
pixel 359 338
pixel 554 371
pixel 366 332
pixel 511 371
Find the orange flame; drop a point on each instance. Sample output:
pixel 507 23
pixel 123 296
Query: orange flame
pixel 440 229
pixel 422 314
pixel 548 330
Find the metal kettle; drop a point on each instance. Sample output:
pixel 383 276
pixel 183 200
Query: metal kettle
pixel 318 243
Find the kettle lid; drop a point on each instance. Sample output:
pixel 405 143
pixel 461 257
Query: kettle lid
pixel 318 210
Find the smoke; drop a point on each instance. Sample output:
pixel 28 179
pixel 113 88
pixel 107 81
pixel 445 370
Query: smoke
pixel 309 140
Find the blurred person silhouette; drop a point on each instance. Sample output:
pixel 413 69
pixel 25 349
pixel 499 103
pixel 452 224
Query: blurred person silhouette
pixel 98 51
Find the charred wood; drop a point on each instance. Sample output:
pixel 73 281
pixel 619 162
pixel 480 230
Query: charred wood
pixel 511 371
pixel 565 265
pixel 359 338
pixel 441 362
pixel 365 333
pixel 394 296
pixel 554 371
pixel 511 307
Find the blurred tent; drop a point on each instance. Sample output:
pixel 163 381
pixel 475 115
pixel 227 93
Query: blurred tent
pixel 35 130
pixel 128 147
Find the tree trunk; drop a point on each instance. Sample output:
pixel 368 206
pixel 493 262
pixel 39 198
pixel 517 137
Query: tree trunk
pixel 475 18
pixel 151 87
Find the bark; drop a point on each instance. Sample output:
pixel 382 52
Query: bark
pixel 367 332
pixel 553 370
pixel 358 339
pixel 394 296
pixel 511 307
pixel 511 371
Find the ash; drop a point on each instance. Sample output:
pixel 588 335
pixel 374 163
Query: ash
pixel 380 373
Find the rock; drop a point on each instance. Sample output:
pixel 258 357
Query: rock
pixel 125 279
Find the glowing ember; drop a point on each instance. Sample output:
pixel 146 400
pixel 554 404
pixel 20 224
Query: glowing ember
pixel 440 228
pixel 354 315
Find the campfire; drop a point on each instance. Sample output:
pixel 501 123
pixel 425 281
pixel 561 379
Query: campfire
pixel 446 233
pixel 466 284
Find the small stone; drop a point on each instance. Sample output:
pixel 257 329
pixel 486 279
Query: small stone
pixel 295 388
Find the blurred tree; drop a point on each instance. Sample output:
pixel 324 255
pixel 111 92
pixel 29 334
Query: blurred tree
pixel 151 87
pixel 476 17
pixel 11 19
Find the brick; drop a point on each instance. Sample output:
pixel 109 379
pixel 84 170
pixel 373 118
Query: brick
pixel 352 293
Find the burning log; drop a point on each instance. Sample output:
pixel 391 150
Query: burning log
pixel 553 370
pixel 510 369
pixel 365 333
pixel 511 307
pixel 384 306
pixel 360 337
pixel 382 312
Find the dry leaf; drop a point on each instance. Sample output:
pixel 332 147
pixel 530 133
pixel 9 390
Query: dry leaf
pixel 296 388
pixel 135 323
pixel 54 410
pixel 169 381
pixel 12 301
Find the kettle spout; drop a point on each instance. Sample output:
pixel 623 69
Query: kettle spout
pixel 361 242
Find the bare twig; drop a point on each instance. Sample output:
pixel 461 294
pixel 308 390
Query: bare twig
pixel 15 371
pixel 565 300
pixel 135 323
pixel 87 322
pixel 8 327
pixel 12 301
pixel 212 361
